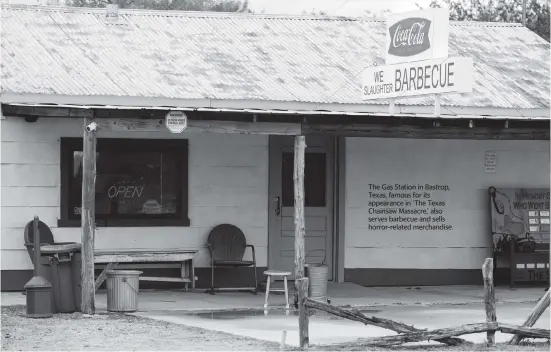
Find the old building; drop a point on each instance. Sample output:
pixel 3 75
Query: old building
pixel 372 176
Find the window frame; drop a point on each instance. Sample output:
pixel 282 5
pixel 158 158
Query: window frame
pixel 69 145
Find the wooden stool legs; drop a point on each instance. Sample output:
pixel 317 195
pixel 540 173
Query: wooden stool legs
pixel 268 282
pixel 267 291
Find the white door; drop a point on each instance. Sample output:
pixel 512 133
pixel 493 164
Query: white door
pixel 318 202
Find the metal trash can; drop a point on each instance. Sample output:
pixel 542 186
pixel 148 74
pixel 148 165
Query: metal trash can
pixel 317 275
pixel 76 264
pixel 57 268
pixel 123 290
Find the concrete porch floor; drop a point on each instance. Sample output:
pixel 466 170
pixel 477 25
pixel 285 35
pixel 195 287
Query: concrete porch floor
pixel 341 294
pixel 241 313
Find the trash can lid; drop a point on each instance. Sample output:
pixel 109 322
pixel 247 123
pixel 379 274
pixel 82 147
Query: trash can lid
pixel 123 272
pixel 60 248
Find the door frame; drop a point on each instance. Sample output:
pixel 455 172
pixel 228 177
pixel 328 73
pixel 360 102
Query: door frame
pixel 274 146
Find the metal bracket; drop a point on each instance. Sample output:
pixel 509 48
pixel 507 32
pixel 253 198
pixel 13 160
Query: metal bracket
pixel 437 105
pixel 392 107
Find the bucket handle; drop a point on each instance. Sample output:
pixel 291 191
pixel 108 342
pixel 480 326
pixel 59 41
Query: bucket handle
pixel 317 250
pixel 125 280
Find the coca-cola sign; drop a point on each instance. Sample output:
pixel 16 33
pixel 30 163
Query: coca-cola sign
pixel 417 35
pixel 409 37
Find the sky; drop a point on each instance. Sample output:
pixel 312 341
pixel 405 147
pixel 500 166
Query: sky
pixel 334 7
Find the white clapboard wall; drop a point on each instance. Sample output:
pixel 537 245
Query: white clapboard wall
pixel 228 183
pixel 460 164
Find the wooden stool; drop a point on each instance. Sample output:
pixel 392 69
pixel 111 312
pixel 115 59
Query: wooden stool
pixel 271 273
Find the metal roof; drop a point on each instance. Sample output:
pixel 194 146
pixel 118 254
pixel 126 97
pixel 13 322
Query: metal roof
pixel 73 55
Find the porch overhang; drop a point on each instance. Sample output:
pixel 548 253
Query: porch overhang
pixel 272 107
pixel 295 122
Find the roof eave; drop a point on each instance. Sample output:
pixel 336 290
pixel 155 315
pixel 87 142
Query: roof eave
pixel 266 106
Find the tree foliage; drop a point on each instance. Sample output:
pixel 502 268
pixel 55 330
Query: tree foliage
pixel 181 5
pixel 537 12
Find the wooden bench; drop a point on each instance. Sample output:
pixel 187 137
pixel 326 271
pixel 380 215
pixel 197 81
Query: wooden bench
pixel 144 258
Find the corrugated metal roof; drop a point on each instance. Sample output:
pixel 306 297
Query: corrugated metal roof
pixel 183 55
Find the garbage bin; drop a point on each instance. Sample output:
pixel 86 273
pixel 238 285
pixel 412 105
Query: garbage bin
pixel 57 267
pixel 317 275
pixel 123 290
pixel 76 263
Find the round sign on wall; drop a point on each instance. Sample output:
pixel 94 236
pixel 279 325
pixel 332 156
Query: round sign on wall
pixel 176 121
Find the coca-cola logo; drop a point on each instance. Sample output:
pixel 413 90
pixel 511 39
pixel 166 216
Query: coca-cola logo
pixel 409 37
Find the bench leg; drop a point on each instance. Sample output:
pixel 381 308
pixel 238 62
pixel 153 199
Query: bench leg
pixel 267 291
pixel 286 293
pixel 192 275
pixel 103 275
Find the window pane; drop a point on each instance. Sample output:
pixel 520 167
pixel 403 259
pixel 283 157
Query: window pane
pixel 314 180
pixel 130 183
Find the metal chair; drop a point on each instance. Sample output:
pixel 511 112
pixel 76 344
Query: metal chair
pixel 227 245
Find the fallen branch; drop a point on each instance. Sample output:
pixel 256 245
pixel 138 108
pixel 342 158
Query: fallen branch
pixel 440 334
pixel 524 331
pixel 437 334
pixel 356 315
pixel 533 317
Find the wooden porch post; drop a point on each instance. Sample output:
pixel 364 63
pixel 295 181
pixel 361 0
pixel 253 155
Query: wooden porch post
pixel 88 215
pixel 298 178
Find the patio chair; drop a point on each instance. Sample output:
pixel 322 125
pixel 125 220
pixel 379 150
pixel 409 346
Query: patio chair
pixel 227 245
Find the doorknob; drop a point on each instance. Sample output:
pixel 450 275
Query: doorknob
pixel 277 206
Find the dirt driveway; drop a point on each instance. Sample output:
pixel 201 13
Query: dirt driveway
pixel 114 332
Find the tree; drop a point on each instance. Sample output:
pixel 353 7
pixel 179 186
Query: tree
pixel 537 12
pixel 181 5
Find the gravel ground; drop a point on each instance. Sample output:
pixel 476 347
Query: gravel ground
pixel 543 347
pixel 113 332
pixel 120 332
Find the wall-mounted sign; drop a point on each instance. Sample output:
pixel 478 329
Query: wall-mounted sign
pixel 417 35
pixel 490 159
pixel 490 162
pixel 520 211
pixel 176 121
pixel 454 74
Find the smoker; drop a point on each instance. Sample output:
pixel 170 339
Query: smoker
pixel 38 289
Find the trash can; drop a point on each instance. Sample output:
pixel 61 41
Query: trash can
pixel 317 275
pixel 123 290
pixel 76 263
pixel 57 267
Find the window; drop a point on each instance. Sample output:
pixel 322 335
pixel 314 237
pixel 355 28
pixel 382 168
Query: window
pixel 314 179
pixel 138 182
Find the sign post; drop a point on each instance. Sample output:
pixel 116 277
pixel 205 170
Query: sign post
pixel 176 121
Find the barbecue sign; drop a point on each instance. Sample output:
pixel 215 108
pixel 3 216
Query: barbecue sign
pixel 418 78
pixel 418 35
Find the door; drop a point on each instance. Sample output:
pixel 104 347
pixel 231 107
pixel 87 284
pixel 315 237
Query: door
pixel 318 202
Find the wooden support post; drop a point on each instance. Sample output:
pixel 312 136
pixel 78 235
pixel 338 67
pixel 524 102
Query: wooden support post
pixel 298 178
pixel 88 216
pixel 489 297
pixel 303 313
pixel 533 317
